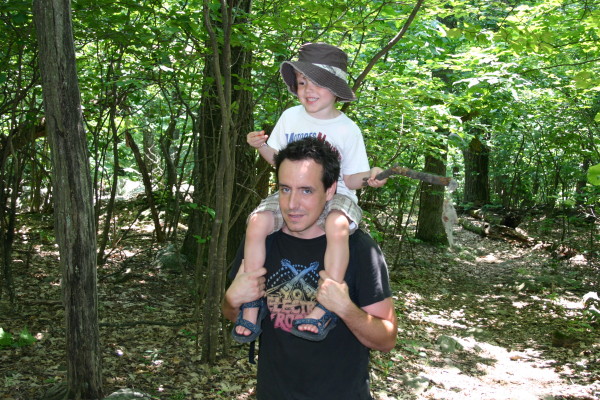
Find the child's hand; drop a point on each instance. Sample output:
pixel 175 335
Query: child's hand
pixel 373 181
pixel 257 139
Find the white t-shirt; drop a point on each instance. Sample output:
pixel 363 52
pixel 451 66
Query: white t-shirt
pixel 341 132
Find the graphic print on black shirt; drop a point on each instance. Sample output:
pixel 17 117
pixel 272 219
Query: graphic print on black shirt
pixel 291 292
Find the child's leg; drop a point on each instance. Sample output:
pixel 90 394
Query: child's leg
pixel 337 256
pixel 260 225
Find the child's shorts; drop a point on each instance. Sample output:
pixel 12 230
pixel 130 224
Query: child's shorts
pixel 339 202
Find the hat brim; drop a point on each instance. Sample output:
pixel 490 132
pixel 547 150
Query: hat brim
pixel 318 75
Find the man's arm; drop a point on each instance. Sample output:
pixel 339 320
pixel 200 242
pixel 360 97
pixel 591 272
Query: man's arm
pixel 375 325
pixel 246 287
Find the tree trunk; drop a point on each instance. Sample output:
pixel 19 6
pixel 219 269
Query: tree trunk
pixel 171 188
pixel 227 64
pixel 430 227
pixel 73 209
pixel 476 173
pixel 160 237
pixel 10 179
pixel 110 206
pixel 221 61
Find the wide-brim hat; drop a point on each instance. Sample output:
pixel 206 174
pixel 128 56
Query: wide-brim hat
pixel 322 63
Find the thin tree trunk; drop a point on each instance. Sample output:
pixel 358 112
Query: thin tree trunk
pixel 8 203
pixel 172 190
pixel 160 237
pixel 73 209
pixel 224 181
pixel 113 189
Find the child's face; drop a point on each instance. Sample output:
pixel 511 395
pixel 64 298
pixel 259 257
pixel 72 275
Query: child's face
pixel 318 101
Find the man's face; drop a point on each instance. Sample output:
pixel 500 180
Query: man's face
pixel 302 197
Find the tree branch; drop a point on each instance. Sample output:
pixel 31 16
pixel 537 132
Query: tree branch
pixel 388 46
pixel 561 65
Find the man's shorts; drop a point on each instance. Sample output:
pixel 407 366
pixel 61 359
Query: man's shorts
pixel 339 202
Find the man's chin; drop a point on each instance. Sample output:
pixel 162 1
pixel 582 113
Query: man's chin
pixel 295 226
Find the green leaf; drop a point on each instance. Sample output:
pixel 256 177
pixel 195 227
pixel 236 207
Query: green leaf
pixel 593 175
pixel 6 339
pixel 25 338
pixel 454 33
pixel 583 80
pixel 597 118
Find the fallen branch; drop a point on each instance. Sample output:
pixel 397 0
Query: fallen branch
pixel 501 232
pixel 519 236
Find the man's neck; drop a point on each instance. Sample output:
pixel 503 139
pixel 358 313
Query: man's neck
pixel 313 232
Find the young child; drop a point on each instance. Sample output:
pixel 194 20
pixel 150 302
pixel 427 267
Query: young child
pixel 319 80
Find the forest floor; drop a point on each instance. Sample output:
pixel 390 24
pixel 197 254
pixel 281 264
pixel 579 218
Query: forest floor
pixel 486 320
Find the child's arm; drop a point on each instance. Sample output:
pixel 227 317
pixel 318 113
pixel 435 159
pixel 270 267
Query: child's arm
pixel 356 181
pixel 258 140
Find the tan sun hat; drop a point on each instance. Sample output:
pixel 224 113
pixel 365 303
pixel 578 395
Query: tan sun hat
pixel 325 65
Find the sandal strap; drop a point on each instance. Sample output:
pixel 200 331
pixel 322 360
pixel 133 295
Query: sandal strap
pixel 252 304
pixel 320 323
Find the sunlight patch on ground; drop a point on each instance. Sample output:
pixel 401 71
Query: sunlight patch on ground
pixel 497 375
pixel 443 321
pixel 520 304
pixel 579 259
pixel 569 303
pixel 490 258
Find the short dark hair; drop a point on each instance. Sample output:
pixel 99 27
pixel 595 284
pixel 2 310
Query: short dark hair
pixel 318 150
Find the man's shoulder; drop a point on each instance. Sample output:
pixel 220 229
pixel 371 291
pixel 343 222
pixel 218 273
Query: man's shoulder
pixel 361 238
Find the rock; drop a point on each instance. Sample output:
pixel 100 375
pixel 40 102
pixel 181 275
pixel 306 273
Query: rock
pixel 169 259
pixel 128 394
pixel 448 344
pixel 415 384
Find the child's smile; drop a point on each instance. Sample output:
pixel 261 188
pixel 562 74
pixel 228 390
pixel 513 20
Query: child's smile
pixel 318 101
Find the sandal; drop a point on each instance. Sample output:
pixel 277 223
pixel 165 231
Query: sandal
pixel 255 329
pixel 324 324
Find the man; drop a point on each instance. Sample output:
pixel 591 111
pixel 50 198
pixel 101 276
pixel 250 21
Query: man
pixel 290 367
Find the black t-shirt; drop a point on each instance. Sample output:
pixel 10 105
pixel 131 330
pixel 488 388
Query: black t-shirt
pixel 292 368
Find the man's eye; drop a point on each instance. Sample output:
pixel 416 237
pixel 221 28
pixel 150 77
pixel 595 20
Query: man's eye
pixel 284 190
pixel 307 191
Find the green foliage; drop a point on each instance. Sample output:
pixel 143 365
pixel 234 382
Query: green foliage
pixel 24 339
pixel 593 175
pixel 180 395
pixel 521 76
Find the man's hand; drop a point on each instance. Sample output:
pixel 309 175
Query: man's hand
pixel 375 325
pixel 257 139
pixel 246 287
pixel 331 294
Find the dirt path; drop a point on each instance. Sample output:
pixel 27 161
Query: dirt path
pixel 491 321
